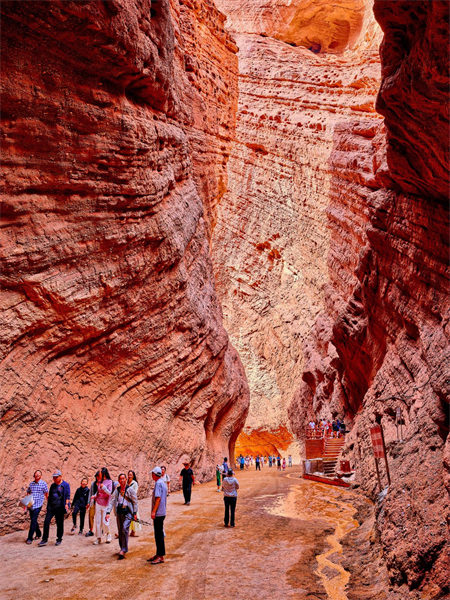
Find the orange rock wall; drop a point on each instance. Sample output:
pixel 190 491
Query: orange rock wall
pixel 383 340
pixel 271 240
pixel 117 120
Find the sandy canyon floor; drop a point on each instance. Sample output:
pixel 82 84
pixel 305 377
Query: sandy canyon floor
pixel 286 544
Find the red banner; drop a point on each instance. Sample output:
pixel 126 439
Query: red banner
pixel 377 442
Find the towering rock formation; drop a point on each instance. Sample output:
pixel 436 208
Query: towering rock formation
pixel 271 241
pixel 117 119
pixel 382 341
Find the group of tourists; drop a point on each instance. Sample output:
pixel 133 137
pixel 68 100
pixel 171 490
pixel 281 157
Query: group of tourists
pixel 260 461
pixel 335 428
pixel 98 500
pixel 105 496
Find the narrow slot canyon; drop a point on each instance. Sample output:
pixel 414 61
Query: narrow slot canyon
pixel 224 223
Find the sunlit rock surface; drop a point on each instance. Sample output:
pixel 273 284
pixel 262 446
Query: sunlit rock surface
pixel 117 119
pixel 382 342
pixel 271 241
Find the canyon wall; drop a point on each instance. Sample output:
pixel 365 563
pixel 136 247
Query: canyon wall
pixel 271 240
pixel 117 121
pixel 382 341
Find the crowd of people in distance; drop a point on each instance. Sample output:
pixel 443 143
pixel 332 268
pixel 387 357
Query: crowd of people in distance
pixel 334 428
pixel 260 460
pixel 104 496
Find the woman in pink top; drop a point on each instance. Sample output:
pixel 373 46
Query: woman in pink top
pixel 104 491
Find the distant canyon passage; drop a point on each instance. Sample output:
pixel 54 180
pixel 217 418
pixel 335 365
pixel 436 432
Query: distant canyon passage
pixel 272 239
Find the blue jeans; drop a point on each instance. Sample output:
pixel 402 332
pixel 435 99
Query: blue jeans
pixel 34 526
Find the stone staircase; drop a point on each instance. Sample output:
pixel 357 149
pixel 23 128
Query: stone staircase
pixel 331 452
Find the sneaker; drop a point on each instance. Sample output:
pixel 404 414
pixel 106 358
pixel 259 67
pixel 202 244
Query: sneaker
pixel 42 543
pixel 29 541
pixel 158 560
pixel 37 537
pixel 58 542
pixel 152 558
pixel 108 538
pixel 89 534
pixel 74 528
pixel 80 532
pixel 188 504
pixel 98 541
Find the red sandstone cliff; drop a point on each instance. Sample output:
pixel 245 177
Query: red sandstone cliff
pixel 117 119
pixel 271 239
pixel 383 340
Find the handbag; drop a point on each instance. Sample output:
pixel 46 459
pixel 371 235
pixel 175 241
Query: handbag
pixel 27 502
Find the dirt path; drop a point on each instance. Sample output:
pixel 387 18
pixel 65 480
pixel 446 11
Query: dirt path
pixel 285 546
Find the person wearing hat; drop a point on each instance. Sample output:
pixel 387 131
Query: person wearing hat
pixel 159 498
pixel 125 503
pixel 187 479
pixel 57 506
pixel 230 487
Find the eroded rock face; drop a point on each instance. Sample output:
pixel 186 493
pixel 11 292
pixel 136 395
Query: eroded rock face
pixel 271 240
pixel 117 120
pixel 383 340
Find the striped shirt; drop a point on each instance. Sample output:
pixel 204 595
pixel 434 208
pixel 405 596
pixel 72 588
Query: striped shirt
pixel 38 490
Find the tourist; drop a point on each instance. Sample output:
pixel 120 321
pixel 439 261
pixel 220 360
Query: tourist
pixel 39 490
pixel 166 479
pixel 91 502
pixel 257 463
pixel 159 498
pixel 57 506
pixel 224 467
pixel 219 477
pixel 102 497
pixel 270 460
pixel 328 429
pixel 125 503
pixel 230 487
pixel 187 480
pixel 132 482
pixel 262 461
pixel 283 464
pixel 80 504
pixel 334 428
pixel 342 429
pixel 242 462
pixel 338 428
pixel 289 461
pixel 278 463
pixel 247 462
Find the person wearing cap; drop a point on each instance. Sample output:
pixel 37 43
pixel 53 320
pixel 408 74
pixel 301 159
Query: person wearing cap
pixel 187 479
pixel 159 498
pixel 230 487
pixel 57 506
pixel 125 503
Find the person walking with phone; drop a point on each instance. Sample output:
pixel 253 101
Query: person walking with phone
pixel 125 503
pixel 104 491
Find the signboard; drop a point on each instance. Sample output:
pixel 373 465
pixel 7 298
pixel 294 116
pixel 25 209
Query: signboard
pixel 377 442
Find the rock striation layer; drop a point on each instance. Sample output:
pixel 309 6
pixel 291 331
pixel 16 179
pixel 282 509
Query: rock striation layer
pixel 272 238
pixel 117 120
pixel 382 342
